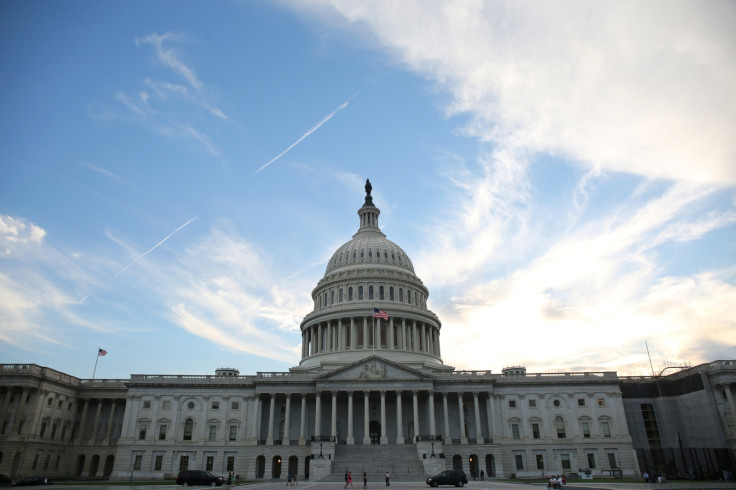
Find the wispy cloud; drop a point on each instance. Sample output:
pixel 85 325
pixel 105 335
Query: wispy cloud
pixel 310 131
pixel 104 172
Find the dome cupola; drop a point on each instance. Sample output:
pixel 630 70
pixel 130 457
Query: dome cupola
pixel 369 273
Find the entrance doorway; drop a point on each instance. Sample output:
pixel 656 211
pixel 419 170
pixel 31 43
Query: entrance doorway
pixel 375 432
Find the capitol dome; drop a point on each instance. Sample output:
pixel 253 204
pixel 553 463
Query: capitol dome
pixel 368 274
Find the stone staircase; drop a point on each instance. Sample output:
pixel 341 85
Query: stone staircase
pixel 401 461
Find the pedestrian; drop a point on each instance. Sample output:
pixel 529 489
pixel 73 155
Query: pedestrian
pixel 346 478
pixel 288 479
pixel 365 480
pixel 388 484
pixel 350 479
pixel 482 474
pixel 229 479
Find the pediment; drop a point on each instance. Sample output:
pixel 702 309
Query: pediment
pixel 374 368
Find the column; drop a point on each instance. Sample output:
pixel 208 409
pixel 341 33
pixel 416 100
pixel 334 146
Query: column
pixel 478 431
pixel 415 339
pixel 84 417
pixel 97 421
pixel 461 417
pixel 489 411
pixel 341 334
pixel 416 416
pixel 366 415
pixel 271 410
pixel 4 410
pixel 384 439
pixel 390 334
pixel 318 415
pixel 19 413
pixel 112 415
pixel 353 340
pixel 350 439
pixel 403 334
pixel 333 425
pixel 303 422
pixel 287 422
pixel 448 438
pixel 399 425
pixel 432 428
pixel 365 333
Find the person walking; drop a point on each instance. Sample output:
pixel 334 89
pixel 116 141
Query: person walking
pixel 388 484
pixel 346 478
pixel 288 479
pixel 350 480
pixel 365 480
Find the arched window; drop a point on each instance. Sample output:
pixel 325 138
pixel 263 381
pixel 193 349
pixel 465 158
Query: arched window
pixel 380 292
pixel 188 428
pixel 350 293
pixel 339 296
pixel 370 292
pixel 391 293
pixel 326 298
pixel 362 254
pixel 370 252
pixel 401 295
pixel 332 297
pixel 408 296
pixel 560 426
pixel 360 292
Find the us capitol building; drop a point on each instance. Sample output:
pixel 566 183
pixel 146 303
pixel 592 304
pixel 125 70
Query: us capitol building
pixel 370 394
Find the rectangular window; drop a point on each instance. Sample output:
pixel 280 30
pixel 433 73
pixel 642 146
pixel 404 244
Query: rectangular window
pixel 35 462
pixel 183 463
pixel 565 460
pixel 230 463
pixel 50 401
pixel 210 463
pixel 137 462
pixel 43 430
pixel 515 431
pixel 532 403
pixel 586 429
pixel 53 430
pixel 215 405
pixel 166 405
pixel 519 461
pixel 162 432
pixel 540 461
pixel 142 431
pixel 606 426
pixel 591 460
pixel 535 431
pixel 601 402
pixel 60 405
pixel 46 462
pixel 158 462
pixel 581 402
pixel 512 403
pixel 213 432
pixel 612 460
pixel 235 406
pixel 146 403
pixel 233 432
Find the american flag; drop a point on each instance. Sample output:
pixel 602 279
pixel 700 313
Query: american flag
pixel 101 352
pixel 380 314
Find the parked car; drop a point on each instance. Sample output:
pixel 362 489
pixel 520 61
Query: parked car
pixel 198 477
pixel 5 480
pixel 449 477
pixel 33 480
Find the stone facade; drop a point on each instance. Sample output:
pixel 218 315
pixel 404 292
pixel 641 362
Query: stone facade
pixel 369 393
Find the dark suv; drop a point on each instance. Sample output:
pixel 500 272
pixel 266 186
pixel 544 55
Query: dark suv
pixel 449 477
pixel 198 477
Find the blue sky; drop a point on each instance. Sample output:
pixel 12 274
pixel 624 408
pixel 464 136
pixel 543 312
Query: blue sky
pixel 175 175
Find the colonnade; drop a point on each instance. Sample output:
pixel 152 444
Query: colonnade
pixel 424 418
pixel 360 333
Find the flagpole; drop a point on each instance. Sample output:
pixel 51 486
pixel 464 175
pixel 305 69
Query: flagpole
pixel 97 358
